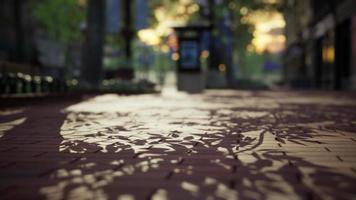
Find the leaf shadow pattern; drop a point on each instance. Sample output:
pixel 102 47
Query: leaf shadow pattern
pixel 200 151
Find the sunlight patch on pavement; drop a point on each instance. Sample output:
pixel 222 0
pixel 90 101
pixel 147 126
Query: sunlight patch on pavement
pixel 7 126
pixel 11 112
pixel 126 197
pixel 161 194
pixel 136 122
pixel 192 188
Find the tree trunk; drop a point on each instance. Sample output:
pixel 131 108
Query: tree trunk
pixel 92 57
pixel 213 62
pixel 17 5
pixel 230 70
pixel 127 30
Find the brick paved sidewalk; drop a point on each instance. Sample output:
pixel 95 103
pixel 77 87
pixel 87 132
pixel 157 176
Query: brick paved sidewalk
pixel 218 145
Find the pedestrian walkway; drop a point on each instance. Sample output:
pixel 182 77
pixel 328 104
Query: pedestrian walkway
pixel 217 145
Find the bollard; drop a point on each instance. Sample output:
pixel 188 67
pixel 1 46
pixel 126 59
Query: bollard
pixel 2 84
pixel 12 80
pixel 35 84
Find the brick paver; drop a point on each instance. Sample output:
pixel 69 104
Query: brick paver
pixel 217 145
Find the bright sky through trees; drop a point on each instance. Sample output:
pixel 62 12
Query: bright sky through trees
pixel 267 33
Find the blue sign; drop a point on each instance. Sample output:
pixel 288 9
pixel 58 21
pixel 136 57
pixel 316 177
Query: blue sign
pixel 271 66
pixel 189 55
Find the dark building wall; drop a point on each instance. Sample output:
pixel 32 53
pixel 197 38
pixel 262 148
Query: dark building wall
pixel 298 16
pixel 353 53
pixel 325 44
pixel 343 54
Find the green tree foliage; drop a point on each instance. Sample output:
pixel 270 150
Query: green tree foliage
pixel 154 4
pixel 249 63
pixel 59 19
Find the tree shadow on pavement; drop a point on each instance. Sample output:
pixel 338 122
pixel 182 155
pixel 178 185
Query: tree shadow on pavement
pixel 232 152
pixel 29 148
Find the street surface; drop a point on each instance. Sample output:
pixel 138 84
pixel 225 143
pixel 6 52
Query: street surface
pixel 217 145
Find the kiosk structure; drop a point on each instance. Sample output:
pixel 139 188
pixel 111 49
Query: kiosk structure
pixel 190 75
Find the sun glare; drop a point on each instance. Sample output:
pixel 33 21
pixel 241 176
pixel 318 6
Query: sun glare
pixel 166 18
pixel 268 34
pixel 149 37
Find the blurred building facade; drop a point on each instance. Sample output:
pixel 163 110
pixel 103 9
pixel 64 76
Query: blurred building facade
pixel 22 49
pixel 16 30
pixel 25 59
pixel 321 44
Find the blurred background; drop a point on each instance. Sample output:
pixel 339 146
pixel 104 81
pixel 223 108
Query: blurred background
pixel 134 46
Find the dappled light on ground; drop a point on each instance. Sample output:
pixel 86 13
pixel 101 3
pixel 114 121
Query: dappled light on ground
pixel 212 146
pixel 218 145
